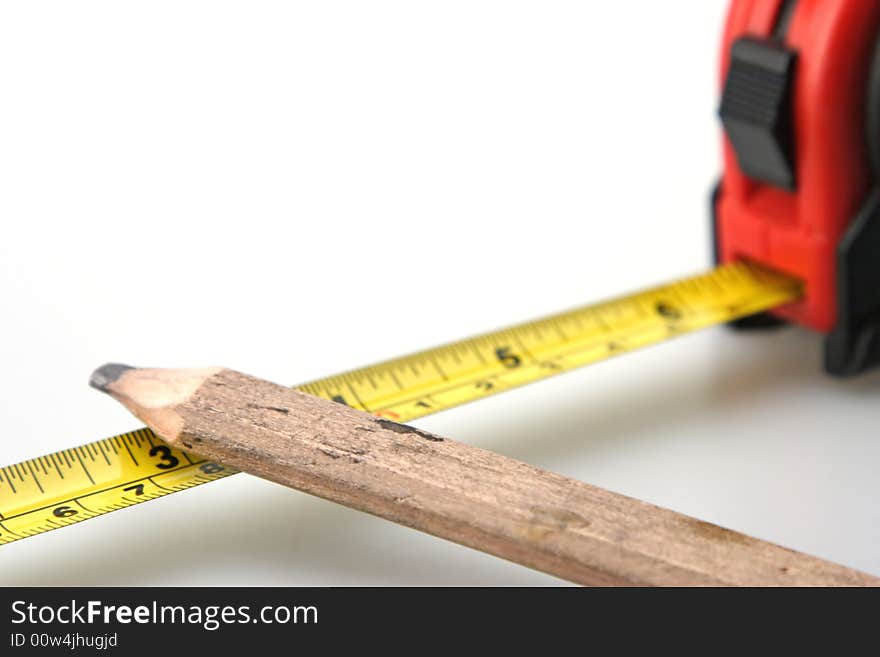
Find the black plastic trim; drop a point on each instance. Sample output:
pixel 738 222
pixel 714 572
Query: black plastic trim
pixel 854 345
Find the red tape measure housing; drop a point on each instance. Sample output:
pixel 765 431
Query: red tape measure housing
pixel 797 167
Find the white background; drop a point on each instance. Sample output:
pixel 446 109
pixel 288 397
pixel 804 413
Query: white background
pixel 293 189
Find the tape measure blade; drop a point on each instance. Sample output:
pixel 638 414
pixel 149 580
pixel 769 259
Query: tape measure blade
pixel 404 389
pixel 76 484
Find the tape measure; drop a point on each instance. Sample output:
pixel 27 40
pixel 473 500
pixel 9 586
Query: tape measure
pixel 83 482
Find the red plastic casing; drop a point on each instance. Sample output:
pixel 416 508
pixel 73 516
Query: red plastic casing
pixel 798 232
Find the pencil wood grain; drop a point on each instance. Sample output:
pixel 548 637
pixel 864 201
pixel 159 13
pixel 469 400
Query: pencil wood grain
pixel 472 496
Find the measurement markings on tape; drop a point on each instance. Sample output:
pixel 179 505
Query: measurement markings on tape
pixel 83 482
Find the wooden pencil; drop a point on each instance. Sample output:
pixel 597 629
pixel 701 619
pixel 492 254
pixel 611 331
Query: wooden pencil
pixel 468 495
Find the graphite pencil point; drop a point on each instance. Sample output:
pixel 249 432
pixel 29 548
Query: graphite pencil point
pixel 107 374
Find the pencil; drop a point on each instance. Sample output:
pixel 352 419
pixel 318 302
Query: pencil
pixel 468 495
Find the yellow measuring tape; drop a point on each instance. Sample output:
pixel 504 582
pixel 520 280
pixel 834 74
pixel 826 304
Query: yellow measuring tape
pixel 83 482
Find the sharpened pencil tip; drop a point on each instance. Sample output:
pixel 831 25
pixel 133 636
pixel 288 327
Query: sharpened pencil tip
pixel 103 377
